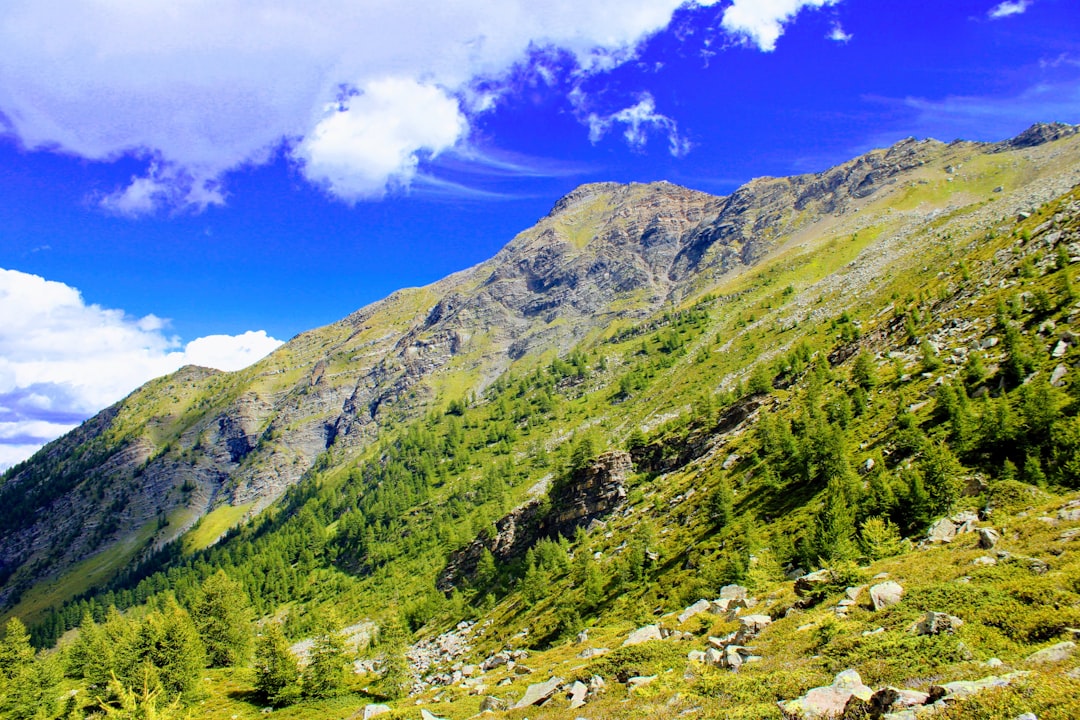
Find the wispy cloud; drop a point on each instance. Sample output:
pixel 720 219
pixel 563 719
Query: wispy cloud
pixel 1007 8
pixel 837 34
pixel 639 121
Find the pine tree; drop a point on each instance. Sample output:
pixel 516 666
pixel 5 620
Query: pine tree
pixel 169 642
pixel 835 537
pixel 276 672
pixel 863 371
pixel 325 674
pixel 27 683
pixel 222 614
pixel 722 503
pixel 396 681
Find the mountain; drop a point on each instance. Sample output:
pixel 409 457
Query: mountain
pixel 646 358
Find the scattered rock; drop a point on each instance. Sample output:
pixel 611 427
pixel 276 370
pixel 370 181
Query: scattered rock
pixel 733 592
pixel 942 531
pixel 494 704
pixel 828 701
pixel 1057 377
pixel 696 609
pixel 592 652
pixel 636 682
pixel 371 711
pixel 936 623
pixel 1053 654
pixel 578 691
pixel 425 715
pixel 985 560
pixel 886 594
pixel 813 582
pixel 966 688
pixel 538 693
pixel 643 634
pixel 988 538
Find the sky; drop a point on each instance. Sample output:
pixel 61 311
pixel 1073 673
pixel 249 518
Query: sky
pixel 197 181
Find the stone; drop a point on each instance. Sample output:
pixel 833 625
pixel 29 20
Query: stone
pixel 885 594
pixel 1071 515
pixel 936 623
pixel 635 682
pixel 813 582
pixel 829 701
pixel 425 715
pixel 733 592
pixel 592 652
pixel 853 593
pixel 1060 348
pixel 538 693
pixel 1027 716
pixel 493 704
pixel 371 711
pixel 942 531
pixel 993 663
pixel 984 560
pixel 1053 654
pixel 696 609
pixel 696 656
pixel 988 538
pixel 714 657
pixel 1057 377
pixel 751 625
pixel 965 522
pixel 965 688
pixel 643 634
pixel 578 691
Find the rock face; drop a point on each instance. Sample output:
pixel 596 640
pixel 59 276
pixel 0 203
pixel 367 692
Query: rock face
pixel 590 493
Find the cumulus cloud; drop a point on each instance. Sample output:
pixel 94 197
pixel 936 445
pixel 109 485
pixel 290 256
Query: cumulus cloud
pixel 761 22
pixel 639 120
pixel 206 86
pixel 1007 8
pixel 377 134
pixel 62 359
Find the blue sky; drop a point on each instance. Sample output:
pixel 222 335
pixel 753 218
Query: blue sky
pixel 190 184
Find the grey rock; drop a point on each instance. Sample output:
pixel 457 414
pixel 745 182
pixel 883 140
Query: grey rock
pixel 371 711
pixel 1053 654
pixel 493 704
pixel 640 681
pixel 733 592
pixel 696 609
pixel 984 560
pixel 988 538
pixel 538 693
pixel 936 623
pixel 426 715
pixel 643 634
pixel 592 652
pixel 886 594
pixel 942 531
pixel 813 582
pixel 1057 377
pixel 829 701
pixel 578 691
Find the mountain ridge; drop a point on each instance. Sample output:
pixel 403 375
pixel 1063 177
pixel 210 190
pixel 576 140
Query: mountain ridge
pixel 194 442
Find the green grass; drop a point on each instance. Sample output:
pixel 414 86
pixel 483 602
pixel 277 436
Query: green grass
pixel 213 525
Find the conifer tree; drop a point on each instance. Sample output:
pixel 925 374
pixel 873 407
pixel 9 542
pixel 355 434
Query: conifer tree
pixel 169 642
pixel 835 537
pixel 222 614
pixel 27 683
pixel 276 670
pixel 722 503
pixel 325 674
pixel 396 681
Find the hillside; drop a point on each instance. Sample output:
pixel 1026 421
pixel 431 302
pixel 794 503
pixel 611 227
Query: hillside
pixel 651 394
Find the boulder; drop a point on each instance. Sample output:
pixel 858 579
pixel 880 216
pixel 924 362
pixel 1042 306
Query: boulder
pixel 828 701
pixel 1053 654
pixel 886 594
pixel 750 626
pixel 371 711
pixel 578 691
pixel 733 592
pixel 696 609
pixel 643 634
pixel 426 715
pixel 965 688
pixel 493 704
pixel 538 693
pixel 592 652
pixel 988 538
pixel 636 682
pixel 936 623
pixel 814 582
pixel 942 531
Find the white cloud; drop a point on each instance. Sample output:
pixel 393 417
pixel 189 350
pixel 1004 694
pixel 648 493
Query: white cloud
pixel 61 359
pixel 206 86
pixel 1007 8
pixel 837 33
pixel 639 120
pixel 761 22
pixel 376 135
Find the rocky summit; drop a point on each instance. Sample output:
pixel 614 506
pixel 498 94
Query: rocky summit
pixel 809 450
